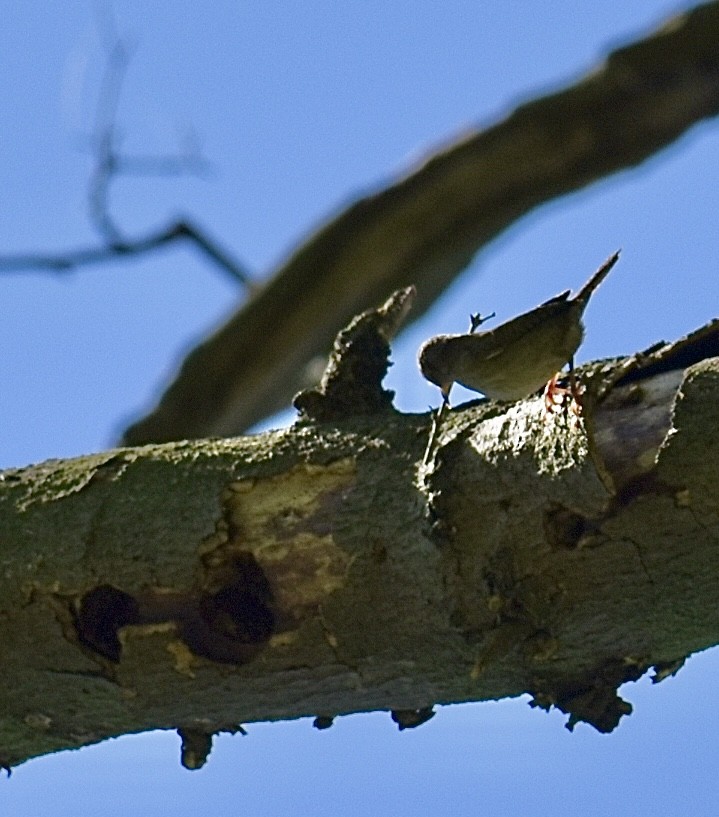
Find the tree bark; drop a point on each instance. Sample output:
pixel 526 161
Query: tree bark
pixel 333 568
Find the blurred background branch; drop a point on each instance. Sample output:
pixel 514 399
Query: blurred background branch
pixel 426 228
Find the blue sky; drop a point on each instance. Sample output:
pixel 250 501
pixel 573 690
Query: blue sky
pixel 301 107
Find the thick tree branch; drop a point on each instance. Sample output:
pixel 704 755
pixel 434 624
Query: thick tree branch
pixel 322 570
pixel 426 228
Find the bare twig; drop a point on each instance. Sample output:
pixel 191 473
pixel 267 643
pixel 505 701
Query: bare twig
pixel 104 136
pixel 65 262
pixel 109 163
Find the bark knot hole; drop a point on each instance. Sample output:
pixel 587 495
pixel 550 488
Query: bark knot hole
pixel 101 612
pixel 236 615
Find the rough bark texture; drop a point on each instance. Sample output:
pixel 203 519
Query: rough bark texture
pixel 425 228
pixel 321 570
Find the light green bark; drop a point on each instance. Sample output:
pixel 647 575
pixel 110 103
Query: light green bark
pixel 506 566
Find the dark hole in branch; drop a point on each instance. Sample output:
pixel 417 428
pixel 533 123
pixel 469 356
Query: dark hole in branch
pixel 563 528
pixel 100 614
pixel 238 613
pixel 236 618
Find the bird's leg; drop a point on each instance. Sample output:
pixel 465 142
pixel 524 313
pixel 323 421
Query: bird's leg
pixel 574 388
pixel 555 396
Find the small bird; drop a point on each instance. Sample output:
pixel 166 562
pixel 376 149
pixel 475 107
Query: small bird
pixel 518 357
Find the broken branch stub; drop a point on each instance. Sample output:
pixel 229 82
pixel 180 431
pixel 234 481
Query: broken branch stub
pixel 352 381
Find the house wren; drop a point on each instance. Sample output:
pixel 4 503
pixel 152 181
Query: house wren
pixel 519 356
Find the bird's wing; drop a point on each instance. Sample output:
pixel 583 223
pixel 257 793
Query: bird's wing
pixel 494 341
pixel 558 298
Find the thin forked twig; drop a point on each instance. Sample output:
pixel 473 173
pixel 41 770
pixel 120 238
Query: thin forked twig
pixel 85 256
pixel 109 163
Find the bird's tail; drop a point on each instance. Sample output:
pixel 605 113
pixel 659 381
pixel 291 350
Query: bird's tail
pixel 585 292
